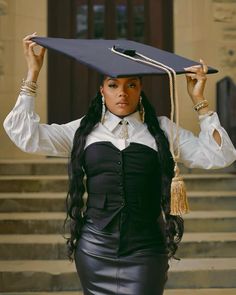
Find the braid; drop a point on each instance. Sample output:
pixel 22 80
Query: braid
pixel 174 225
pixel 74 200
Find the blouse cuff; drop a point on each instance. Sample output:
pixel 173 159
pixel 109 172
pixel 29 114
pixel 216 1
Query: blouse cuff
pixel 207 122
pixel 25 102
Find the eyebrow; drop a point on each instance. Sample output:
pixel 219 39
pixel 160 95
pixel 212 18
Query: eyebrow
pixel 116 79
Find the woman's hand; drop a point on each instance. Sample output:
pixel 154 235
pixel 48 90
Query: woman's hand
pixel 196 81
pixel 34 61
pixel 195 84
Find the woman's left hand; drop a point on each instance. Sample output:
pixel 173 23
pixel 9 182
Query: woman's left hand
pixel 196 80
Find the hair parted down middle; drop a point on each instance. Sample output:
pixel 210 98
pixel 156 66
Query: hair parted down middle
pixel 174 225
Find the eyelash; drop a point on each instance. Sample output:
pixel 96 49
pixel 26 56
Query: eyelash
pixel 112 85
pixel 132 85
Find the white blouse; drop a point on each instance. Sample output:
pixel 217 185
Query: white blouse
pixel 24 128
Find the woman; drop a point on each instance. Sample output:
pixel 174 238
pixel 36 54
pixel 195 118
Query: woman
pixel 124 236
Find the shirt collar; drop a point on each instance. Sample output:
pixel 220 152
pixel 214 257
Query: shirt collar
pixel 111 120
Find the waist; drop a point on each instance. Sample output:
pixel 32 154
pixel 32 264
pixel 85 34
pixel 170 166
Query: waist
pixel 139 200
pixel 118 181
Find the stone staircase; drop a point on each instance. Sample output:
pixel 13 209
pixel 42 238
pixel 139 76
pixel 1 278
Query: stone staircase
pixel 32 248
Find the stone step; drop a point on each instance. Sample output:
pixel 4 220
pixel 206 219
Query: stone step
pixel 212 200
pixel 218 244
pixel 28 223
pixel 47 166
pixel 202 273
pixel 58 166
pixel 49 293
pixel 59 183
pixel 32 247
pixel 52 222
pixel 212 291
pixel 38 183
pixel 49 201
pixel 60 275
pixel 33 202
pixel 210 182
pixel 38 275
pixel 51 247
pixel 210 221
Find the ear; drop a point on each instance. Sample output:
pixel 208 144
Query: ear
pixel 101 90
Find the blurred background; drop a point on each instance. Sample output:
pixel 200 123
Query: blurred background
pixel 195 29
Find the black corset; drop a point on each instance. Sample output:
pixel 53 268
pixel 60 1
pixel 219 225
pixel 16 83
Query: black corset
pixel 127 180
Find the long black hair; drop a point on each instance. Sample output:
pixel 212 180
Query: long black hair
pixel 74 201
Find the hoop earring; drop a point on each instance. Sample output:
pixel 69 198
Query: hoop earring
pixel 141 110
pixel 103 110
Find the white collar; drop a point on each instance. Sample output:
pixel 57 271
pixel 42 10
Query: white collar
pixel 111 121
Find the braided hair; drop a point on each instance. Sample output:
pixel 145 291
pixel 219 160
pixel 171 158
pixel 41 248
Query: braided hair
pixel 74 201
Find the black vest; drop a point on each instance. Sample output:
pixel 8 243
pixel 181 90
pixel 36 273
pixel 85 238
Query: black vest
pixel 127 180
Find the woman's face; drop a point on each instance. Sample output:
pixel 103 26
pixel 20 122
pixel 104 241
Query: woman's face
pixel 121 94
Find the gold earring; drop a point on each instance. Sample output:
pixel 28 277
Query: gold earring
pixel 141 110
pixel 103 110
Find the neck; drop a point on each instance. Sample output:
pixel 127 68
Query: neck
pixel 122 117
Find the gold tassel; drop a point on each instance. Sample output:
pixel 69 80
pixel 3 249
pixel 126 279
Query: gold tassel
pixel 179 203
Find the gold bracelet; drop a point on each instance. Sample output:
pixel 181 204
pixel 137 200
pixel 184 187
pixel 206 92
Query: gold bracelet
pixel 29 93
pixel 28 88
pixel 31 84
pixel 200 105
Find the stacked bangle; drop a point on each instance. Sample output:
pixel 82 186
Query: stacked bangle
pixel 200 105
pixel 28 88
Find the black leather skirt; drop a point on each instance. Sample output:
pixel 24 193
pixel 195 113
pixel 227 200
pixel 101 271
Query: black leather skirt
pixel 104 271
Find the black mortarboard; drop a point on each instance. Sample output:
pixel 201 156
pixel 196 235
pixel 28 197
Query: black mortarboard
pixel 97 54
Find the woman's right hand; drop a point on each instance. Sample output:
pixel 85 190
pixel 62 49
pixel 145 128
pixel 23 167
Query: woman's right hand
pixel 34 61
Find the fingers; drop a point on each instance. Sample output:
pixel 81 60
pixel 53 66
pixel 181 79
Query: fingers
pixel 204 66
pixel 28 46
pixel 28 37
pixel 198 69
pixel 42 51
pixel 190 76
pixel 197 72
pixel 27 42
pixel 31 48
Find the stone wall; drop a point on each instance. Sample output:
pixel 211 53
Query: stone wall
pixel 17 19
pixel 205 29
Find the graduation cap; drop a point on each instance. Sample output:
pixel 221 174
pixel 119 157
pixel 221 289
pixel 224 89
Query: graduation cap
pixel 118 58
pixel 123 58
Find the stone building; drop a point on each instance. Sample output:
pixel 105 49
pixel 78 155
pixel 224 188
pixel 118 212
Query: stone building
pixel 200 29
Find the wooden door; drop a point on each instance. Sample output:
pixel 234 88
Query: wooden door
pixel 71 86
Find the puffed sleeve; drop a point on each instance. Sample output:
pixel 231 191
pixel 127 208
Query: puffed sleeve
pixel 24 128
pixel 202 151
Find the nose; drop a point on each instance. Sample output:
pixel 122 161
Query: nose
pixel 122 92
